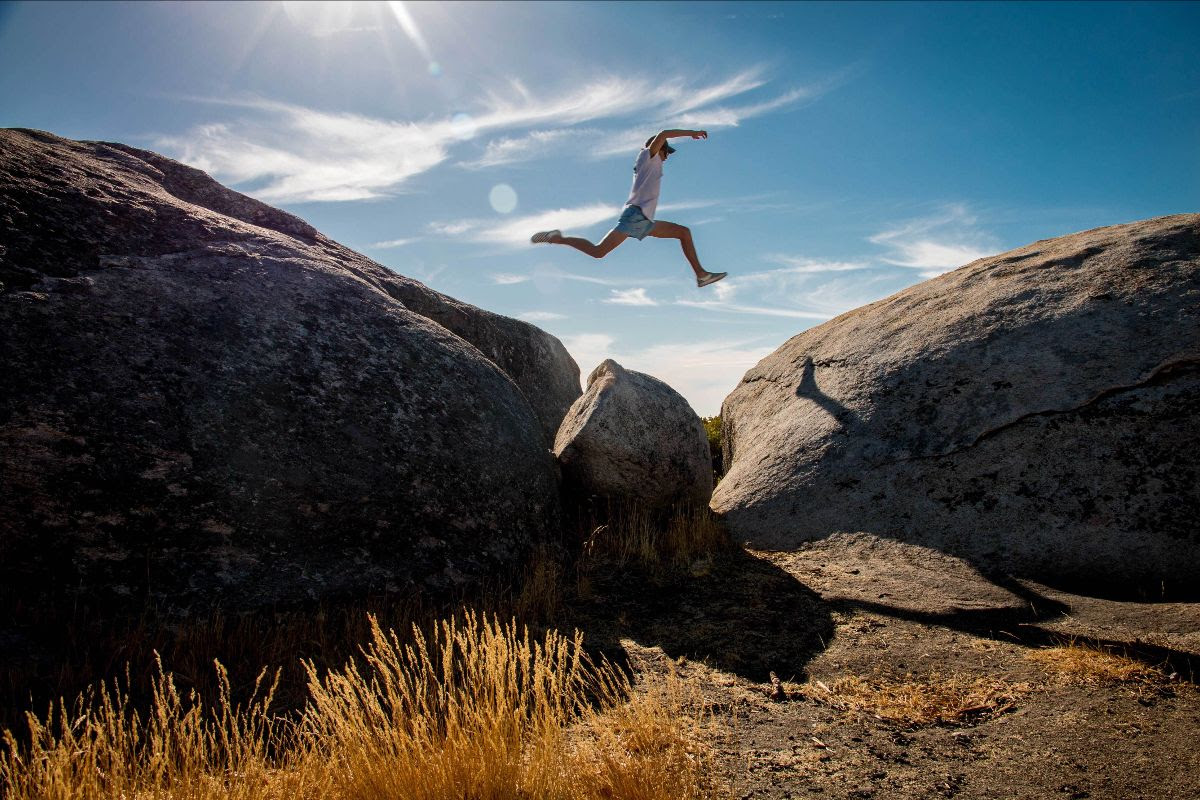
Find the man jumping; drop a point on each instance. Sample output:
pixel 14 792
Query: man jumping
pixel 637 220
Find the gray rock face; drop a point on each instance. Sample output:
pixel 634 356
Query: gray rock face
pixel 1037 411
pixel 536 361
pixel 206 401
pixel 632 437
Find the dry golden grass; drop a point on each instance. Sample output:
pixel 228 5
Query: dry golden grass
pixel 476 710
pixel 1088 664
pixel 79 646
pixel 633 536
pixel 940 699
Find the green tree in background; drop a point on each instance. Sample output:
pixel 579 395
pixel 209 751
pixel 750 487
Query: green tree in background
pixel 712 428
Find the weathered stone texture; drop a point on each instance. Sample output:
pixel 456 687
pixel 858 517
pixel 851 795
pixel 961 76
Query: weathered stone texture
pixel 633 438
pixel 205 401
pixel 1035 411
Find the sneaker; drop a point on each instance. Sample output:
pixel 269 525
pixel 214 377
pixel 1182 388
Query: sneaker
pixel 544 237
pixel 711 277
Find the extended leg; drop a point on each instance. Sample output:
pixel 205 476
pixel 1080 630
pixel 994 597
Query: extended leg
pixel 669 230
pixel 606 245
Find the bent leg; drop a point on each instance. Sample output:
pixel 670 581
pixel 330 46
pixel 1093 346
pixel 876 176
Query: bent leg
pixel 669 230
pixel 606 245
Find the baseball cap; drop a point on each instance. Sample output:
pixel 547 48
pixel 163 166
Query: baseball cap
pixel 666 146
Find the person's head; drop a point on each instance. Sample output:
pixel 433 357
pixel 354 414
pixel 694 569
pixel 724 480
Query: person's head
pixel 665 151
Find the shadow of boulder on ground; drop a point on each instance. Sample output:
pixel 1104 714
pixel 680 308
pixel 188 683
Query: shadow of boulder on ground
pixel 732 610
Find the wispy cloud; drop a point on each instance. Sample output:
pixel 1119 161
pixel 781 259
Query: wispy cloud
pixel 289 153
pixel 547 277
pixel 696 115
pixel 392 243
pixel 453 228
pixel 798 290
pixel 630 297
pixel 937 243
pixel 609 96
pixel 517 230
pixel 541 316
pixel 297 154
pixel 738 84
pixel 732 117
pixel 802 265
pixel 535 144
pixel 689 205
pixel 763 311
pixel 705 372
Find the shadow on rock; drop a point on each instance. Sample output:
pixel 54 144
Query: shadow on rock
pixel 809 389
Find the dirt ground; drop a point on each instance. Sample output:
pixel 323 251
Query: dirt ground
pixel 760 630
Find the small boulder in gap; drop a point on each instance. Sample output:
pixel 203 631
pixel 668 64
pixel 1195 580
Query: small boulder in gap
pixel 633 438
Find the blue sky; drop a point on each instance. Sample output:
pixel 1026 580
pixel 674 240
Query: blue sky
pixel 853 149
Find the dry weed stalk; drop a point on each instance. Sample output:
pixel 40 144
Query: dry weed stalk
pixel 635 536
pixel 1089 664
pixel 941 699
pixel 102 747
pixel 477 709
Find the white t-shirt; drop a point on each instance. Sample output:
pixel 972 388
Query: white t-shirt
pixel 647 179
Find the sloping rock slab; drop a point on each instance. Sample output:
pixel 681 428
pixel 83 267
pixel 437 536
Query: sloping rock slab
pixel 1036 411
pixel 207 402
pixel 870 572
pixel 633 438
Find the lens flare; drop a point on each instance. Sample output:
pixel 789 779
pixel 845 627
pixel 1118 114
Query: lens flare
pixel 462 125
pixel 503 198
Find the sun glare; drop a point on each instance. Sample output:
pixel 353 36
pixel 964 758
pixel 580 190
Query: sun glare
pixel 409 26
pixel 320 17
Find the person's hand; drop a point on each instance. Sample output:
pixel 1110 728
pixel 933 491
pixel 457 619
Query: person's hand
pixel 699 134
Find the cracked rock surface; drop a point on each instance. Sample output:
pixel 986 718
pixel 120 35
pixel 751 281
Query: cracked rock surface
pixel 1034 412
pixel 207 402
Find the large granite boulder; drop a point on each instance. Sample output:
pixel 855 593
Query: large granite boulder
pixel 1037 411
pixel 205 401
pixel 536 361
pixel 632 438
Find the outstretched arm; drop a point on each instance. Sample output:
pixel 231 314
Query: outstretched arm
pixel 662 137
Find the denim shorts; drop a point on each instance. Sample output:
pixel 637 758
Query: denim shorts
pixel 634 223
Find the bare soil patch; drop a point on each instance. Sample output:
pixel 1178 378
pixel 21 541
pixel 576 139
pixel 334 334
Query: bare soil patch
pixel 852 668
pixel 866 669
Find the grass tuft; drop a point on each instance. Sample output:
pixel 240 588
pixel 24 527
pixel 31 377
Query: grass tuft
pixel 939 700
pixel 689 538
pixel 475 709
pixel 1089 664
